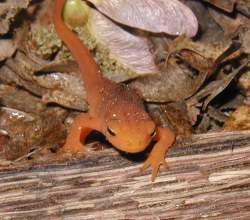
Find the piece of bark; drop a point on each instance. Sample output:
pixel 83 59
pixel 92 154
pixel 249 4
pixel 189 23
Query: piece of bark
pixel 210 179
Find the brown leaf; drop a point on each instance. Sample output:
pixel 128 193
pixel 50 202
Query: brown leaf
pixel 174 84
pixel 244 83
pixel 64 89
pixel 245 39
pixel 61 88
pixel 26 131
pixel 239 119
pixel 244 7
pixel 228 23
pixel 20 99
pixel 173 116
pixel 8 10
pixel 210 32
pixel 7 48
pixel 212 53
pixel 216 87
pixel 179 82
pixel 226 5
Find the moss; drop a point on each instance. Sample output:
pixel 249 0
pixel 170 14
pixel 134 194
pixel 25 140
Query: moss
pixel 46 41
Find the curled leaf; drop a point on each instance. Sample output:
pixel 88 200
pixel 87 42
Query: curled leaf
pixel 158 16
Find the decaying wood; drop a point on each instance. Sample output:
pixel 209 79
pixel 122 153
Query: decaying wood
pixel 208 178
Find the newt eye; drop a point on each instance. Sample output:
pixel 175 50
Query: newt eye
pixel 110 131
pixel 153 133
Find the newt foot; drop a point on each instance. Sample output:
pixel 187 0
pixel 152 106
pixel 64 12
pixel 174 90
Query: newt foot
pixel 154 163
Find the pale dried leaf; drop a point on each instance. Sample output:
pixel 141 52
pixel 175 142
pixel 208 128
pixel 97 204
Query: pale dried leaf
pixel 128 49
pixel 171 17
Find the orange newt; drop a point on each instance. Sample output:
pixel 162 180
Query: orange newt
pixel 116 110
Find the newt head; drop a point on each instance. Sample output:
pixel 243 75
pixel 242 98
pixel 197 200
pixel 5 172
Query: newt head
pixel 126 125
pixel 131 136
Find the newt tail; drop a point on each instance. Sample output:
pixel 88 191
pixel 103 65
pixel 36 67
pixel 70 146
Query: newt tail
pixel 81 54
pixel 115 110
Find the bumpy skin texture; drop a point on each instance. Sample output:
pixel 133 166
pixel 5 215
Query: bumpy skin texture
pixel 116 110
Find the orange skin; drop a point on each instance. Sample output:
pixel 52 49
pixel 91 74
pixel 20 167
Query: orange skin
pixel 116 110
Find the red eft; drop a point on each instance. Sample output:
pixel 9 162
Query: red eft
pixel 115 110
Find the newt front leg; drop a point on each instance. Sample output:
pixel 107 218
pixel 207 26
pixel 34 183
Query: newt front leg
pixel 165 138
pixel 82 126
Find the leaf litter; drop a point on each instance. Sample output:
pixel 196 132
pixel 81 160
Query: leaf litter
pixel 193 73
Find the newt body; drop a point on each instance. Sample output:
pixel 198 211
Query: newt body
pixel 116 110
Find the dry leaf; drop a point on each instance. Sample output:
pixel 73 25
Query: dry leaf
pixel 128 55
pixel 216 87
pixel 244 7
pixel 239 119
pixel 244 83
pixel 173 115
pixel 158 16
pixel 7 48
pixel 29 131
pixel 226 5
pixel 228 23
pixel 176 83
pixel 245 39
pixel 8 10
